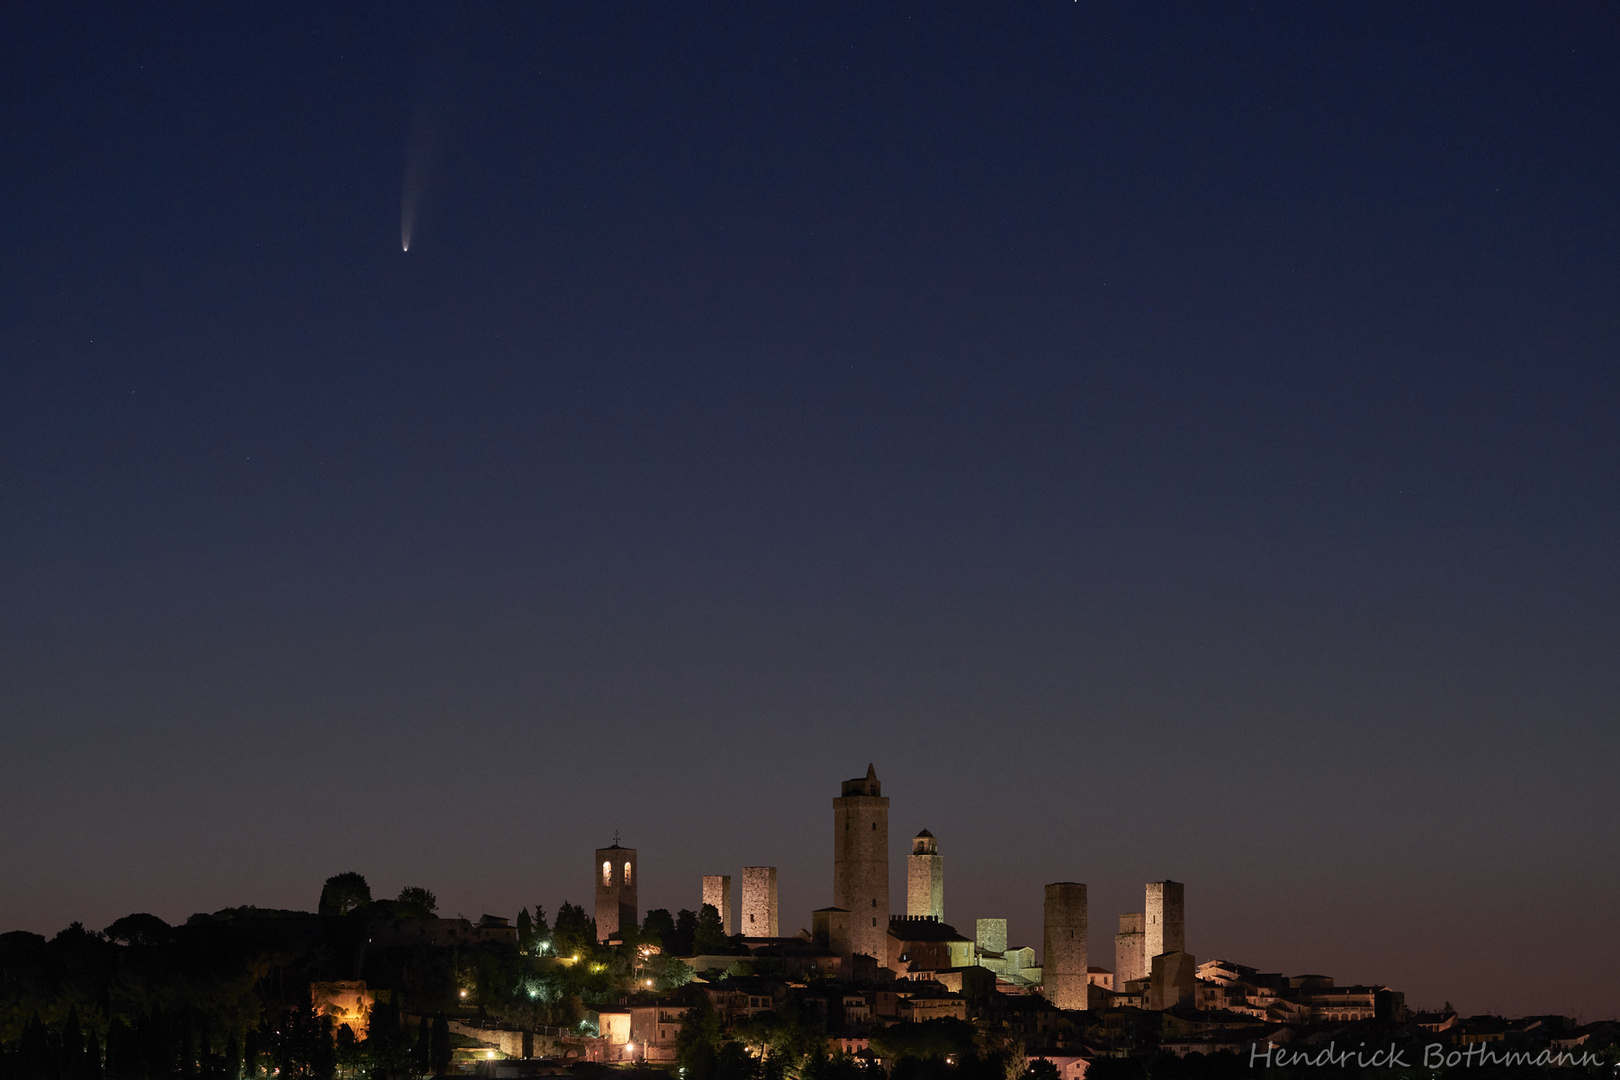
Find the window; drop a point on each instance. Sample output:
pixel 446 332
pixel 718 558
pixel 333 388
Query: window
pixel 607 873
pixel 874 921
pixel 874 901
pixel 874 826
pixel 627 873
pixel 750 916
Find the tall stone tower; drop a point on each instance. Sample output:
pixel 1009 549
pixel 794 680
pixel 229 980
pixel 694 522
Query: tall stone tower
pixel 925 877
pixel 759 901
pixel 1063 960
pixel 616 881
pixel 1128 962
pixel 717 891
pixel 1163 928
pixel 861 864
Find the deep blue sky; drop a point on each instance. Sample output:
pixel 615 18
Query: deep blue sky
pixel 1169 441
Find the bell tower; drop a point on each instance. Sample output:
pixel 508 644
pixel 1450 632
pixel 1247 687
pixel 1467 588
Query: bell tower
pixel 925 878
pixel 616 880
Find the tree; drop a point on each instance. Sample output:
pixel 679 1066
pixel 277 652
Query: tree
pixel 441 1054
pixel 525 929
pixel 667 972
pixel 575 933
pixel 658 928
pixel 138 929
pixel 1041 1069
pixel 414 901
pixel 710 936
pixel 685 934
pixel 697 1044
pixel 343 893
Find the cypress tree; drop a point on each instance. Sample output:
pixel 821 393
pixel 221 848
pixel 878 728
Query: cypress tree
pixel 72 1058
pixel 441 1045
pixel 92 1057
pixel 422 1052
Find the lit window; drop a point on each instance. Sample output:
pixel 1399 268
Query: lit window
pixel 607 873
pixel 627 873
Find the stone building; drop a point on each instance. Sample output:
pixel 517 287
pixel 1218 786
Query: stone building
pixel 923 943
pixel 991 935
pixel 1163 927
pixel 717 891
pixel 1171 980
pixel 1063 960
pixel 861 864
pixel 1128 965
pixel 759 917
pixel 616 882
pixel 925 878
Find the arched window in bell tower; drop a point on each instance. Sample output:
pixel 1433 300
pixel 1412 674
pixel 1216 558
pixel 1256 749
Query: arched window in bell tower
pixel 607 873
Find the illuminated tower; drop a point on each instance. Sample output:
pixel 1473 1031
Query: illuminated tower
pixel 616 880
pixel 1063 960
pixel 925 877
pixel 717 891
pixel 1163 929
pixel 1128 963
pixel 861 864
pixel 759 901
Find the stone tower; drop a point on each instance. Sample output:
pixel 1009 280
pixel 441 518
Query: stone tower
pixel 861 864
pixel 1128 962
pixel 1063 963
pixel 1163 928
pixel 717 891
pixel 925 877
pixel 616 881
pixel 759 901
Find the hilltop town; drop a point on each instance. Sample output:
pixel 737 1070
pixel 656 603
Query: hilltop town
pixel 390 989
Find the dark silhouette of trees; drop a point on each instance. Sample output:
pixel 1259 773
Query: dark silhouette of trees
pixel 439 1052
pixel 685 933
pixel 575 933
pixel 414 902
pixel 658 928
pixel 709 935
pixel 343 893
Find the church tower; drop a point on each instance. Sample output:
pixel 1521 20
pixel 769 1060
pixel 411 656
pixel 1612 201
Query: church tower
pixel 925 878
pixel 861 864
pixel 616 881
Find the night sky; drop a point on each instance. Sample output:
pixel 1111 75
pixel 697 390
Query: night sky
pixel 1175 441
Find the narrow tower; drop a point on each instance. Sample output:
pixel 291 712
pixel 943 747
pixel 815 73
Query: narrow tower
pixel 1128 963
pixel 1063 963
pixel 1163 929
pixel 925 877
pixel 759 901
pixel 616 880
pixel 861 864
pixel 717 891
